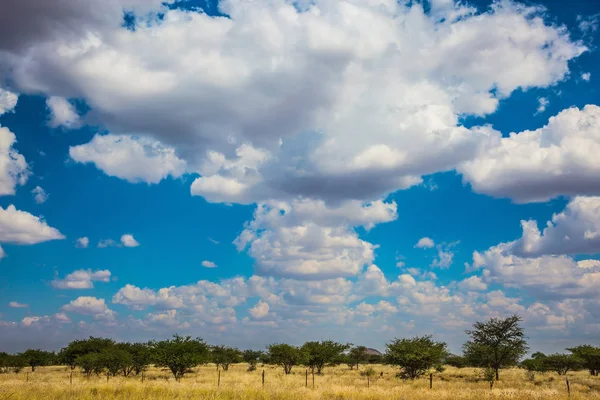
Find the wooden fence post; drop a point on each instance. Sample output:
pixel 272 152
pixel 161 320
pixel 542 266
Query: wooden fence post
pixel 107 376
pixel 430 381
pixel 142 376
pixel 368 381
pixel 27 377
pixel 568 386
pixel 313 376
pixel 71 378
pixel 219 380
pixel 263 378
pixel 306 383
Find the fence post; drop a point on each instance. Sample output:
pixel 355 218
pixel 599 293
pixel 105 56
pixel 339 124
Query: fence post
pixel 313 375
pixel 430 381
pixel 306 383
pixel 568 386
pixel 219 380
pixel 142 376
pixel 368 381
pixel 27 377
pixel 71 378
pixel 107 376
pixel 263 378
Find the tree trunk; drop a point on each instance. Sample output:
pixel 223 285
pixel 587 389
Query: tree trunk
pixel 497 375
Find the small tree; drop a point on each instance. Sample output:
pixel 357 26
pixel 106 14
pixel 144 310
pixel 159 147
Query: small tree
pixel 37 358
pixel 180 354
pixel 224 356
pixel 77 348
pixel 534 364
pixel 115 360
pixel 284 355
pixel 589 356
pixel 497 343
pixel 252 357
pixel 415 356
pixel 561 363
pixel 317 355
pixel 356 356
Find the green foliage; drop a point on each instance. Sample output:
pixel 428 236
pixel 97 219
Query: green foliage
pixel 90 363
pixel 252 357
pixel 456 361
pixel 12 363
pixel 223 356
pixel 115 360
pixel 497 343
pixel 284 355
pixel 415 356
pixel 77 348
pixel 561 363
pixel 36 358
pixel 318 355
pixel 589 356
pixel 356 356
pixel 180 354
pixel 369 371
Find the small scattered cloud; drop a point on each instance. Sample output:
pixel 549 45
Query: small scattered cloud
pixel 400 264
pixel 128 240
pixel 260 310
pixel 543 102
pixel 40 196
pixel 62 113
pixel 82 279
pixel 445 256
pixel 82 242
pixel 208 264
pixel 213 240
pixel 425 243
pixel 586 76
pixel 15 304
pixel 106 243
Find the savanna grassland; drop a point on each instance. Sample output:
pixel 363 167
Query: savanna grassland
pixel 335 383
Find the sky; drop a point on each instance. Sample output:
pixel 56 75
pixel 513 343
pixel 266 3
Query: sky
pixel 252 172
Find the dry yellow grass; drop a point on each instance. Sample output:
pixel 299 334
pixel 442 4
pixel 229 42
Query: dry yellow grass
pixel 337 383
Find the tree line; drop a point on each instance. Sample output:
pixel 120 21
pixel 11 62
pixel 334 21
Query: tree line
pixel 493 345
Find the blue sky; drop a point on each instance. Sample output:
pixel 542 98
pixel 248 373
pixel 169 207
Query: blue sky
pixel 272 171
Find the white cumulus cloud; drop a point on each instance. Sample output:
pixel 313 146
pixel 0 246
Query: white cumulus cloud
pixel 62 113
pixel 82 279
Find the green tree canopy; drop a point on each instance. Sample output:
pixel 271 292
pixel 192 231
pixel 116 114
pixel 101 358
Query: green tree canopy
pixel 284 355
pixel 224 356
pixel 115 360
pixel 415 356
pixel 37 358
pixel 589 356
pixel 561 363
pixel 252 357
pixel 318 355
pixel 356 356
pixel 180 354
pixel 497 343
pixel 77 348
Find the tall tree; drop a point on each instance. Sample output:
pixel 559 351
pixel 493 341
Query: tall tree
pixel 318 355
pixel 590 357
pixel 496 344
pixel 224 356
pixel 415 356
pixel 284 355
pixel 180 354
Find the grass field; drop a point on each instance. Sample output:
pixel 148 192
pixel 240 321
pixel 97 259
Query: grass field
pixel 336 383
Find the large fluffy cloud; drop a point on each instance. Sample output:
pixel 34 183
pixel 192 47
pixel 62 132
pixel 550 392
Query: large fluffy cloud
pixel 20 227
pixel 307 239
pixel 332 100
pixel 560 158
pixel 131 158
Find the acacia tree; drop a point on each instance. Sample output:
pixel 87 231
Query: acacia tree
pixel 317 355
pixel 415 356
pixel 284 355
pixel 561 363
pixel 497 343
pixel 180 354
pixel 356 356
pixel 77 348
pixel 90 363
pixel 589 356
pixel 252 357
pixel 115 360
pixel 224 356
pixel 36 358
